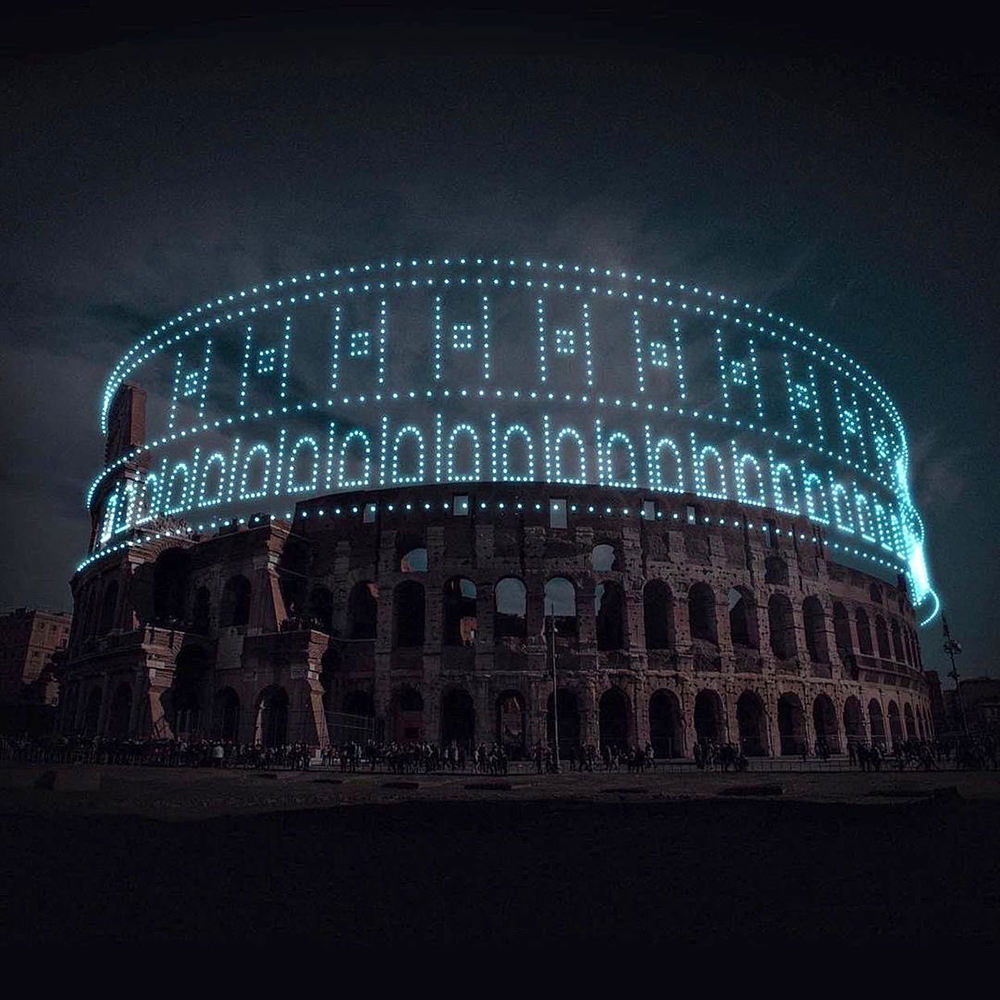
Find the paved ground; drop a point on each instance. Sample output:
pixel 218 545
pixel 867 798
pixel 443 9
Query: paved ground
pixel 648 861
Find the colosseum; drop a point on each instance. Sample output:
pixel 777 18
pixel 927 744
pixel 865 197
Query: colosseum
pixel 423 618
pixel 476 500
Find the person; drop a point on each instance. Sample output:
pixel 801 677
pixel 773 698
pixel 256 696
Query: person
pixel 218 752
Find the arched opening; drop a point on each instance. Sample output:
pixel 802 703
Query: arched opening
pixel 825 725
pixel 201 615
pixel 781 626
pixel 272 717
pixel 742 618
pixel 666 726
pixel 854 723
pixel 614 717
pixel 458 719
pixel 120 711
pixel 776 571
pixel 864 632
pixel 897 642
pixel 234 609
pixel 814 619
pixel 752 725
pixel 170 580
pixel 109 607
pixel 701 613
pixel 609 608
pixel 895 726
pixel 791 725
pixel 321 609
pixel 92 712
pixel 708 718
pixel 512 724
pixel 408 615
pixel 658 615
pixel 226 715
pixel 362 610
pixel 842 631
pixel 882 638
pixel 876 723
pixel 460 621
pixel 560 602
pixel 875 593
pixel 413 560
pixel 510 598
pixel 569 721
pixel 911 726
pixel 407 715
pixel 603 558
pixel 187 692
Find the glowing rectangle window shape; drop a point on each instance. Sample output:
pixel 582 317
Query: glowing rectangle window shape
pixel 692 513
pixel 460 504
pixel 557 513
pixel 649 510
pixel 369 514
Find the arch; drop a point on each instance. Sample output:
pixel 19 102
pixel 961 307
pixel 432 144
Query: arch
pixel 864 632
pixel 876 722
pixel 569 720
pixel 560 602
pixel 92 712
pixel 791 725
pixel 186 693
pixel 362 610
pixel 272 716
pixel 511 724
pixel 458 719
pixel 701 613
pixel 109 608
pixel 321 609
pixel 120 712
pixel 875 593
pixel 609 608
pixel 510 603
pixel 895 726
pixel 911 726
pixel 407 712
pixel 201 614
pixel 752 722
pixel 615 717
pixel 459 605
pixel 708 717
pixel 897 642
pixel 882 638
pixel 408 615
pixel 666 724
pixel 170 581
pixel 603 558
pixel 413 560
pixel 814 619
pixel 234 608
pixel 743 618
pixel 776 571
pixel 842 630
pixel 781 625
pixel 825 724
pixel 226 715
pixel 658 615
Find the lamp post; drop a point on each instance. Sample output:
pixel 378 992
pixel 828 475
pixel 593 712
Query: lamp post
pixel 953 647
pixel 551 619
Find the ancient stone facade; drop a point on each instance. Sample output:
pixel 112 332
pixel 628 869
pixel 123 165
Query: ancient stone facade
pixel 425 609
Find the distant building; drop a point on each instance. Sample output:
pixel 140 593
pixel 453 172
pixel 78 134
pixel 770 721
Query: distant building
pixel 29 639
pixel 978 700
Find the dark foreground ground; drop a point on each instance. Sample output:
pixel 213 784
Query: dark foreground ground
pixel 613 862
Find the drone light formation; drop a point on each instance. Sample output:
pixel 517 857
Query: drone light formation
pixel 470 369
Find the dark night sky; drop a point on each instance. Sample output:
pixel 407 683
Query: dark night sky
pixel 848 180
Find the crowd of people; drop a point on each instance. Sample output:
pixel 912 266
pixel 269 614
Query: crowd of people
pixel 972 752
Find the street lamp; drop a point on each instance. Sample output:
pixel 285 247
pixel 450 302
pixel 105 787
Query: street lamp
pixel 953 647
pixel 551 619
